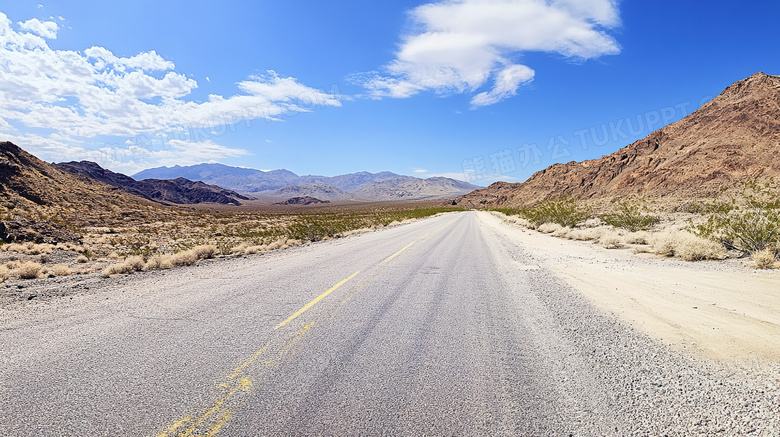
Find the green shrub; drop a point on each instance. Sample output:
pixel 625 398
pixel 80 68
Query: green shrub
pixel 630 215
pixel 748 220
pixel 562 210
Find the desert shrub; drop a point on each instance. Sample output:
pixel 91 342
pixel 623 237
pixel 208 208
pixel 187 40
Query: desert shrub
pixel 610 240
pixel 241 248
pixel 765 259
pixel 82 259
pixel 585 234
pixel 61 270
pixel 562 210
pixel 186 258
pixel 135 262
pixel 29 270
pixel 118 269
pixel 205 251
pixel 549 228
pixel 562 233
pixel 748 220
pixel 4 273
pixel 159 262
pixel 631 215
pixel 592 223
pixel 686 246
pixel 640 237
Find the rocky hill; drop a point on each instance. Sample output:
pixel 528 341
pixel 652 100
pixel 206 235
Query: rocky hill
pixel 179 190
pixel 316 190
pixel 305 200
pixel 37 199
pixel 734 136
pixel 407 188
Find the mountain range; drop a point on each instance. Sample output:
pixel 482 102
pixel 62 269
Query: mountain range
pixel 733 137
pixel 179 190
pixel 362 186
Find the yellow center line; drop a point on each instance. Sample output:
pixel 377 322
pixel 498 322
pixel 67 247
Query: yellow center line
pixel 317 299
pixel 405 247
pixel 386 260
pixel 246 363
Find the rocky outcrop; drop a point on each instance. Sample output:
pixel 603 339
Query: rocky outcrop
pixel 733 137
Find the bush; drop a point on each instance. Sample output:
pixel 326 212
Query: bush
pixel 159 262
pixel 61 270
pixel 4 273
pixel 117 269
pixel 29 270
pixel 748 221
pixel 640 237
pixel 610 240
pixel 765 259
pixel 135 262
pixel 631 215
pixel 205 251
pixel 686 246
pixel 562 210
pixel 549 228
pixel 186 258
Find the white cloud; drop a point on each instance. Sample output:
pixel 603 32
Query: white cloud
pixel 420 170
pixel 46 29
pixel 459 45
pixel 69 97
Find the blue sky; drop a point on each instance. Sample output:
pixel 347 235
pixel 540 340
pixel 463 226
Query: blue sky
pixel 479 90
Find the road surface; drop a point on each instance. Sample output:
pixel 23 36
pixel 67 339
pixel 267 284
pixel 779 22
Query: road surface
pixel 438 327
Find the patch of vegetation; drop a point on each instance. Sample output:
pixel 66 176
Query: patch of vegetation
pixel 563 210
pixel 747 220
pixel 631 215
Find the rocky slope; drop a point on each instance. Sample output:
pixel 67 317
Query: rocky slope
pixel 305 200
pixel 179 190
pixel 37 199
pixel 316 190
pixel 734 136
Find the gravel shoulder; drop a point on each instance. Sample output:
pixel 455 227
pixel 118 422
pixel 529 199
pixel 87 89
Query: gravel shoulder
pixel 719 310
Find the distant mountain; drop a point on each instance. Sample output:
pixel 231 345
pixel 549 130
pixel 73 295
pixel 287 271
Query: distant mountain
pixel 242 180
pixel 284 183
pixel 734 136
pixel 178 190
pixel 305 200
pixel 407 188
pixel 317 190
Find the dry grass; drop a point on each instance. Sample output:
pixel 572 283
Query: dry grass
pixel 640 237
pixel 186 258
pixel 686 246
pixel 610 240
pixel 29 270
pixel 4 274
pixel 589 234
pixel 82 259
pixel 549 228
pixel 765 259
pixel 61 270
pixel 205 251
pixel 129 265
pixel 159 262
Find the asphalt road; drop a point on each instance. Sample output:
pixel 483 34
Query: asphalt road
pixel 439 327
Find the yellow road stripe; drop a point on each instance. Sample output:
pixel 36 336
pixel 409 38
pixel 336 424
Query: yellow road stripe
pixel 246 363
pixel 405 247
pixel 317 299
pixel 410 244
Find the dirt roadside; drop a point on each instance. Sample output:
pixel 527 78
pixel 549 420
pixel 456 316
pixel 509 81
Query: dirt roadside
pixel 721 310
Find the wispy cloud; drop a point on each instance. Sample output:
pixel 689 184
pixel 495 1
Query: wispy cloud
pixel 58 100
pixel 459 46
